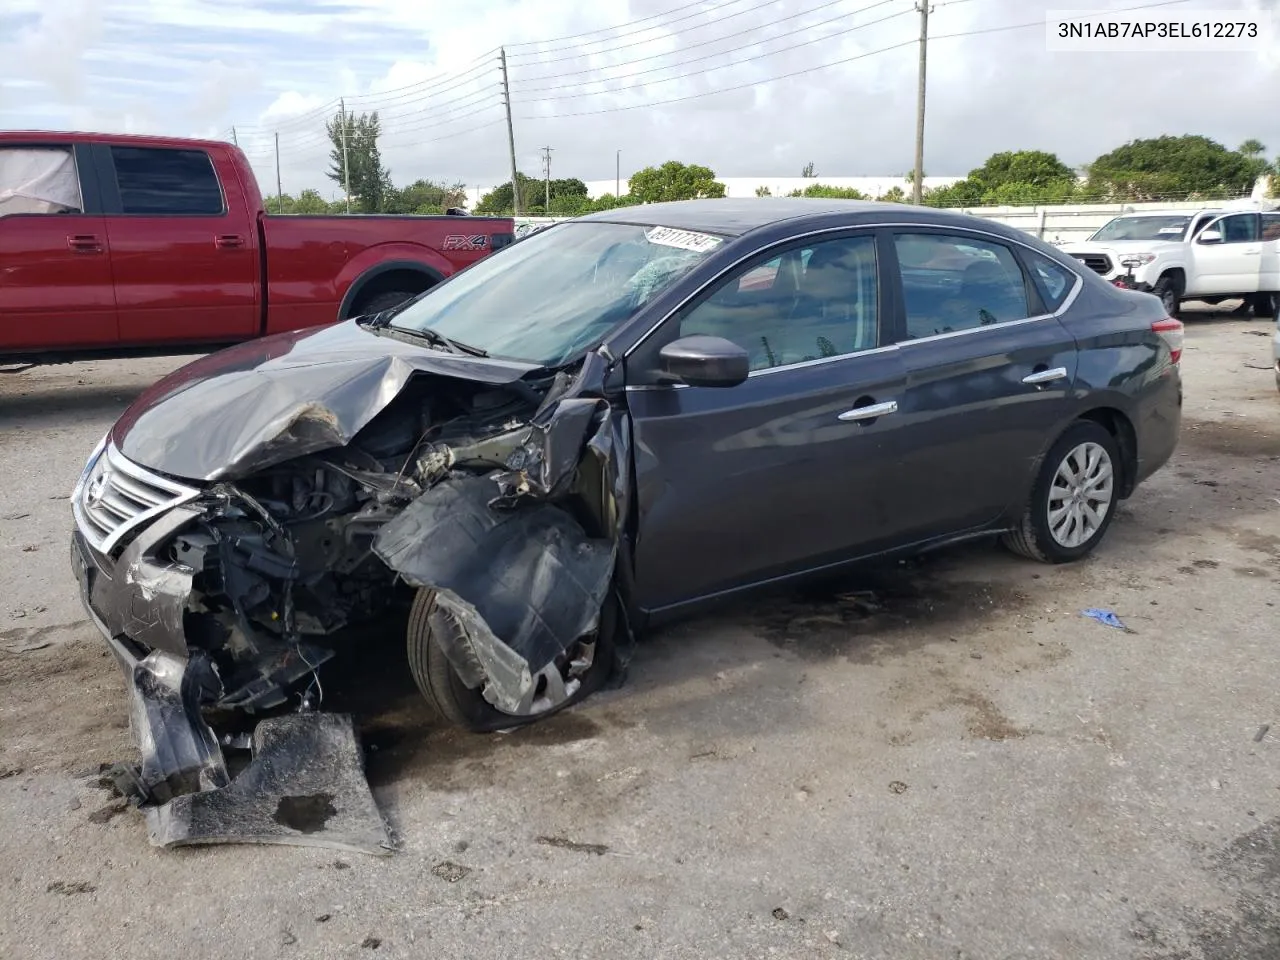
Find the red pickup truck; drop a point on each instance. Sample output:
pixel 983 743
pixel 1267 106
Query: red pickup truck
pixel 125 245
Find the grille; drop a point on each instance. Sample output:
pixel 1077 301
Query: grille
pixel 115 497
pixel 1097 262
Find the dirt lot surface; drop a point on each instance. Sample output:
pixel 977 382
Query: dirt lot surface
pixel 957 766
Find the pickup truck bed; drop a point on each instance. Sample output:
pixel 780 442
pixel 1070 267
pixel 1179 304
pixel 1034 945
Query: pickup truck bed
pixel 114 245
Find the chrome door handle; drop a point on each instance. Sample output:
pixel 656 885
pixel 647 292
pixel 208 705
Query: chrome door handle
pixel 871 412
pixel 1045 376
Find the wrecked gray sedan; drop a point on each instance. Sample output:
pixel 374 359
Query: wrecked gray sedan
pixel 611 420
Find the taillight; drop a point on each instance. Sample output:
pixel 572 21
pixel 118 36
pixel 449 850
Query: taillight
pixel 1171 330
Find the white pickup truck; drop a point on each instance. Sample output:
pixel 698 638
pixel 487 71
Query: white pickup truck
pixel 1207 255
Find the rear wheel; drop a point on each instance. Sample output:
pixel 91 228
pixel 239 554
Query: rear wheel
pixel 1074 498
pixel 565 681
pixel 1169 289
pixel 1266 305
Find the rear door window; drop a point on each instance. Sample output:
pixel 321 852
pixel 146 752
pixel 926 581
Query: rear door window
pixel 954 283
pixel 156 181
pixel 1271 226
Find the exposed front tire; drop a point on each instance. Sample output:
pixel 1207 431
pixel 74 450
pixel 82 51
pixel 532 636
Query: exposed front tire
pixel 1266 305
pixel 1169 289
pixel 1074 498
pixel 565 682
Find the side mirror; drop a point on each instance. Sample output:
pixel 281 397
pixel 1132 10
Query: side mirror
pixel 701 361
pixel 1210 236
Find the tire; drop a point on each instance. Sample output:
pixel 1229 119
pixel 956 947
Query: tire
pixel 1169 290
pixel 457 704
pixel 383 301
pixel 1034 537
pixel 1266 305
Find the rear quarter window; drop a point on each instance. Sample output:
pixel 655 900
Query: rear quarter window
pixel 1053 280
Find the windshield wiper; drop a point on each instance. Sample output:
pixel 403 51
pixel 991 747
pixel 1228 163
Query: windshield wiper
pixel 431 336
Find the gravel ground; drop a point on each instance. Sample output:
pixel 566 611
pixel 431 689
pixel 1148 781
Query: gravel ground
pixel 965 769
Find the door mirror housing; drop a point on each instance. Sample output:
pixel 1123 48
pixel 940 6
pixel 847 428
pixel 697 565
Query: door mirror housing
pixel 1210 236
pixel 701 361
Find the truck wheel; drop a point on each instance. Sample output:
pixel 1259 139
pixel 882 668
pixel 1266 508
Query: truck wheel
pixel 1169 290
pixel 1266 305
pixel 584 671
pixel 383 301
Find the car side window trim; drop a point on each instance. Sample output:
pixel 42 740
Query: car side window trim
pixel 893 316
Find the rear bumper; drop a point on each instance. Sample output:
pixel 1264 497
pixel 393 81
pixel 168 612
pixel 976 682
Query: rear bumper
pixel 1160 425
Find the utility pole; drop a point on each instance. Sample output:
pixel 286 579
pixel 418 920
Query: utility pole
pixel 234 138
pixel 546 174
pixel 279 191
pixel 511 137
pixel 346 166
pixel 918 186
pixel 617 174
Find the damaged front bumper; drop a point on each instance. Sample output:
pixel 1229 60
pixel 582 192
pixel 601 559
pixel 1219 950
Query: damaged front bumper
pixel 305 783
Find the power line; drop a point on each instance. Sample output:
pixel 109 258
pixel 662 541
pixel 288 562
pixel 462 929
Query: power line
pixel 436 86
pixel 637 43
pixel 656 16
pixel 703 43
pixel 719 53
pixel 417 120
pixel 826 66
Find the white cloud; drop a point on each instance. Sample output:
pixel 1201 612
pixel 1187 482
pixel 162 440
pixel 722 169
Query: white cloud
pixel 195 66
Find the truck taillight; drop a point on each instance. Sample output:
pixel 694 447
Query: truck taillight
pixel 1171 331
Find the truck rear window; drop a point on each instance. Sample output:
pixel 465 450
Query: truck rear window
pixel 158 181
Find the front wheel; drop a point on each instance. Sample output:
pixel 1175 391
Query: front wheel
pixel 1074 497
pixel 1266 305
pixel 563 682
pixel 1170 293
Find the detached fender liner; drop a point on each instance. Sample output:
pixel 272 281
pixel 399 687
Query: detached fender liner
pixel 527 573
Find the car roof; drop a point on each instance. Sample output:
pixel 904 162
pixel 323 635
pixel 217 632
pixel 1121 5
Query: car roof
pixel 85 136
pixel 737 216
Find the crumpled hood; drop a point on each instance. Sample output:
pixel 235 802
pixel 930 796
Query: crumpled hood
pixel 245 408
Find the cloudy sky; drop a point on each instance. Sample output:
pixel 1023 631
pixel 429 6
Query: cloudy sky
pixel 705 83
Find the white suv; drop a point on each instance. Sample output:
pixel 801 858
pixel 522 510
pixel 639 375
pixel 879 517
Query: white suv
pixel 1208 255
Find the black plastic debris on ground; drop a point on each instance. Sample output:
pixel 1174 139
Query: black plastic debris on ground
pixel 304 787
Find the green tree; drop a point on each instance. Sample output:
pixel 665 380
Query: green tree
pixel 310 201
pixel 807 172
pixel 763 192
pixel 823 190
pixel 425 197
pixel 894 194
pixel 370 180
pixel 1010 177
pixel 307 202
pixel 674 181
pixel 566 194
pixel 1035 167
pixel 1179 166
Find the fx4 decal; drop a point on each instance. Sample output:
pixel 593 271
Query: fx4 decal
pixel 466 243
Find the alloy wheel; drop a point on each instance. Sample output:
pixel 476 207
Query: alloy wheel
pixel 1081 494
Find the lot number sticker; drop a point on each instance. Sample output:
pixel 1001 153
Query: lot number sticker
pixel 683 239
